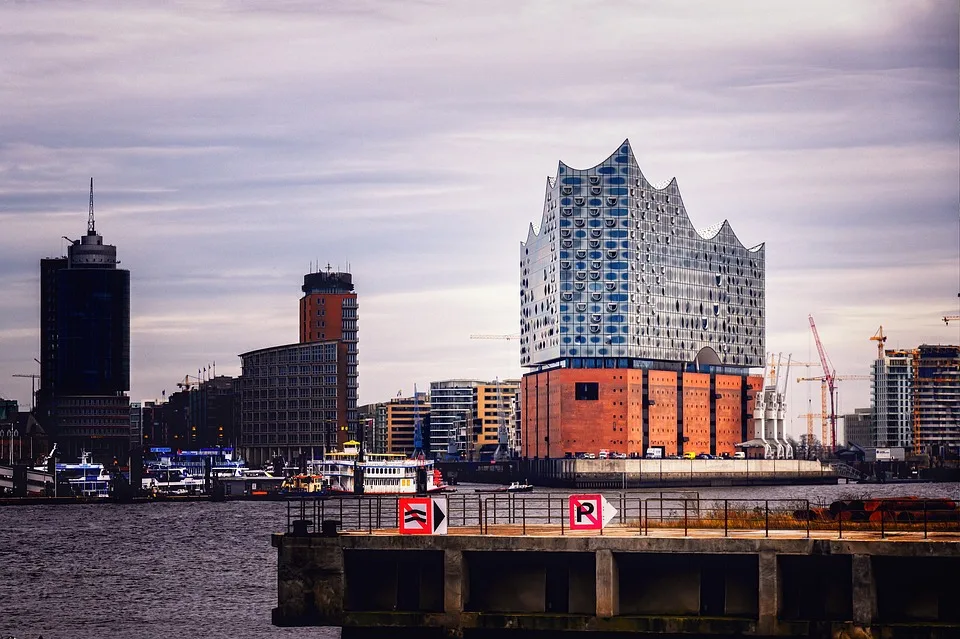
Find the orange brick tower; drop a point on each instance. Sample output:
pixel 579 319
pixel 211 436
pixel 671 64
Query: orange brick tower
pixel 328 313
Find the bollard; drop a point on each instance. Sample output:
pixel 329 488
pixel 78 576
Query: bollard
pixel 300 527
pixel 328 527
pixel 766 519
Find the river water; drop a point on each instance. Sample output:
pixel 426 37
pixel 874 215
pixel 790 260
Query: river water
pixel 198 569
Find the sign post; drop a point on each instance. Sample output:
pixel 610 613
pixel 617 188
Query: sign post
pixel 590 512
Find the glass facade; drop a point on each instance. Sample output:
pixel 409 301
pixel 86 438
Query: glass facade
pixel 617 275
pixel 451 406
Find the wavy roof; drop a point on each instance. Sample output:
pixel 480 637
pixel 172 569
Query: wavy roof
pixel 708 233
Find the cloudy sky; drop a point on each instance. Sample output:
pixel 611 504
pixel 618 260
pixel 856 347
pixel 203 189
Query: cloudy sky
pixel 235 144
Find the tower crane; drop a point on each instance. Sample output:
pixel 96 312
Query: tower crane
pixel 828 420
pixel 508 337
pixel 33 387
pixel 950 318
pixel 186 383
pixel 880 338
pixel 829 375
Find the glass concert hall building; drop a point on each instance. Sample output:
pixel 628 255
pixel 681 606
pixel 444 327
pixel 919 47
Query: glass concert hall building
pixel 637 329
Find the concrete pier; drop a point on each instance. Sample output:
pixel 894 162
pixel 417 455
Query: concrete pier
pixel 464 585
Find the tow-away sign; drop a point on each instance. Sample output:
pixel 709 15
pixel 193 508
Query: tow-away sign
pixel 590 512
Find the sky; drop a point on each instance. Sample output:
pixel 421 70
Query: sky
pixel 238 145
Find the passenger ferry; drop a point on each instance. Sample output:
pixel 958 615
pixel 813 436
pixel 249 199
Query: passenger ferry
pixel 171 480
pixel 382 473
pixel 85 479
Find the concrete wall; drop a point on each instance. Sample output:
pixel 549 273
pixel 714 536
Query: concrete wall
pixel 705 586
pixel 703 467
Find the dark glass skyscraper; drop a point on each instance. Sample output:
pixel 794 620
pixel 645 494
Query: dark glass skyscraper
pixel 85 348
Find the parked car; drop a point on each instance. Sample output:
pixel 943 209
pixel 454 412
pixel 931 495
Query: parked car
pixel 739 455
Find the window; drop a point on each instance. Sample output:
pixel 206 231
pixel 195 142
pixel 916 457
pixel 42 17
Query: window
pixel 587 391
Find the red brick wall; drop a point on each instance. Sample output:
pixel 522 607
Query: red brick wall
pixel 634 428
pixel 615 420
pixel 696 412
pixel 662 412
pixel 754 388
pixel 728 419
pixel 611 422
pixel 319 328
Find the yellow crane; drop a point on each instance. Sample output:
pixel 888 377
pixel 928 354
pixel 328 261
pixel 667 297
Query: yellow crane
pixel 880 339
pixel 824 414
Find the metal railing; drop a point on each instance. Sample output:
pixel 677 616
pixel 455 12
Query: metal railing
pixel 638 513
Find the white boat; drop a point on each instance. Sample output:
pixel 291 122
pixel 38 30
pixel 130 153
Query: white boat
pixel 172 480
pixel 382 473
pixel 85 479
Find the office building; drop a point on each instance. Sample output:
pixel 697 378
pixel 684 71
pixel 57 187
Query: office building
pixel 465 417
pixel 402 414
pixel 301 399
pixel 328 312
pixel 859 429
pixel 493 411
pixel 638 329
pixel 85 348
pixel 289 402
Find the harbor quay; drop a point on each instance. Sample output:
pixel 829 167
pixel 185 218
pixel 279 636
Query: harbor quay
pixel 510 565
pixel 646 473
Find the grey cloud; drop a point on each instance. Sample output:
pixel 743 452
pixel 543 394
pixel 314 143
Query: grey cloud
pixel 234 144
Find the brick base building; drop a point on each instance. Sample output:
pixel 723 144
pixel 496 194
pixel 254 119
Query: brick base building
pixel 569 411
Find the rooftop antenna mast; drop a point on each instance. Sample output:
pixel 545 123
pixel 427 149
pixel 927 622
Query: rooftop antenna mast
pixel 91 226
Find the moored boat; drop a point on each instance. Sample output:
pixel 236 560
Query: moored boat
pixel 378 473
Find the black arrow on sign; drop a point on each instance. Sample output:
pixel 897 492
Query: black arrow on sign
pixel 438 516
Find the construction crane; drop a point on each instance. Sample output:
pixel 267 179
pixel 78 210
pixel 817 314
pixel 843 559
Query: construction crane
pixel 829 374
pixel 950 318
pixel 186 383
pixel 514 336
pixel 880 339
pixel 33 387
pixel 810 417
pixel 828 420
